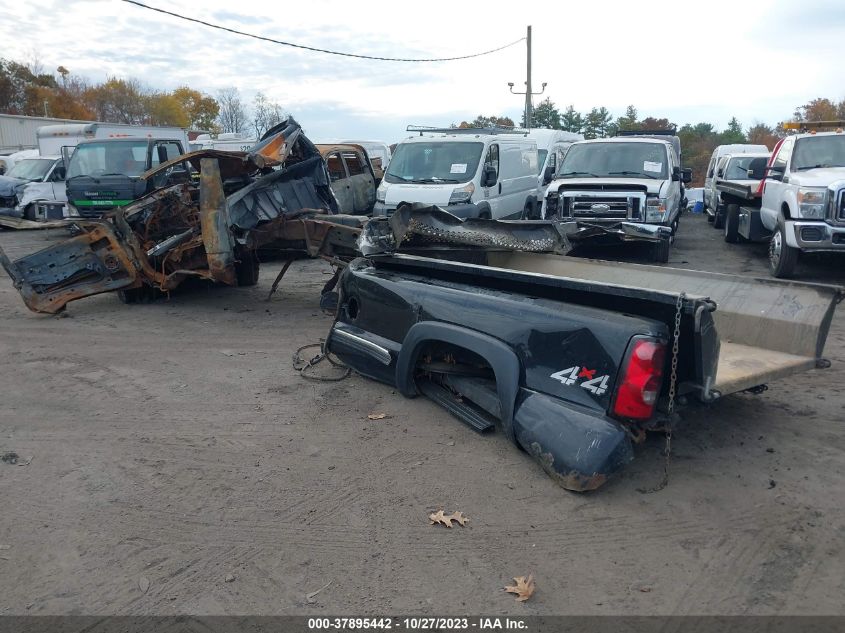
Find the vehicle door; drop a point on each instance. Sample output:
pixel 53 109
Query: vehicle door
pixel 492 192
pixel 165 151
pixel 340 182
pixel 57 180
pixel 360 181
pixel 708 180
pixel 673 185
pixel 774 188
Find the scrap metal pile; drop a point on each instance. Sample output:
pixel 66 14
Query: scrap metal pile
pixel 277 196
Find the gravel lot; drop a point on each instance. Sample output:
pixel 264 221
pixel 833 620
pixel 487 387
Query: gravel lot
pixel 172 445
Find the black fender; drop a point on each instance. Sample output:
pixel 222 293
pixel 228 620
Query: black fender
pixel 484 207
pixel 499 356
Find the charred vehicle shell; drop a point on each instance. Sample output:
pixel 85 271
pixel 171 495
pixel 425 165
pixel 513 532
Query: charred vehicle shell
pixel 277 195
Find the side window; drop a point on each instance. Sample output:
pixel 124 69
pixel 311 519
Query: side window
pixel 783 154
pixel 492 160
pixel 711 166
pixel 529 159
pixel 335 165
pixel 353 163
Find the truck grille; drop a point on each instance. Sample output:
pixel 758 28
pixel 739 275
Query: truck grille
pixel 840 205
pixel 579 205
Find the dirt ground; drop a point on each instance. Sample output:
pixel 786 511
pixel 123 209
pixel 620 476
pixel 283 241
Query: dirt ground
pixel 174 449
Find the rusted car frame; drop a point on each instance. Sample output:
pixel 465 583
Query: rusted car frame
pixel 277 196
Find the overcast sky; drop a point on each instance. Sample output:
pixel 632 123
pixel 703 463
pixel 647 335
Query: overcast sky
pixel 687 60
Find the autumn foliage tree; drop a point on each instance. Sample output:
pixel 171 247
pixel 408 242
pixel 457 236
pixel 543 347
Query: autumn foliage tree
pixel 26 89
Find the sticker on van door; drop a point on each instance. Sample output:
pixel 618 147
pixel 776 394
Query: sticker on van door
pixel 458 168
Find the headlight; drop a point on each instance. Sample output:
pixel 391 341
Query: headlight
pixel 462 195
pixel 381 192
pixel 655 210
pixel 811 202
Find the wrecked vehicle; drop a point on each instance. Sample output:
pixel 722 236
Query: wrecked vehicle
pixel 621 189
pixel 353 177
pixel 572 359
pixel 276 196
pixel 30 181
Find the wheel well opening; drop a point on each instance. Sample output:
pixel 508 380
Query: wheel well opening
pixel 785 210
pixel 466 374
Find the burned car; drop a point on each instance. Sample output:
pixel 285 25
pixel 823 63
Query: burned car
pixel 274 196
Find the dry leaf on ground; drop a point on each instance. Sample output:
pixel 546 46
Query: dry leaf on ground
pixel 143 584
pixel 524 587
pixel 377 416
pixel 446 519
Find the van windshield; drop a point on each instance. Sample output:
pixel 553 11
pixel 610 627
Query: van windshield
pixel 434 162
pixel 126 158
pixel 541 159
pixel 614 160
pixel 31 169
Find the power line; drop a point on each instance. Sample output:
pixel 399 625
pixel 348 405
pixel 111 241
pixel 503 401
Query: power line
pixel 312 48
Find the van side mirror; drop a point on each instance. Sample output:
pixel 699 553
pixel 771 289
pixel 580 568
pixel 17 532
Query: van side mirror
pixel 488 177
pixel 686 175
pixel 720 173
pixel 548 174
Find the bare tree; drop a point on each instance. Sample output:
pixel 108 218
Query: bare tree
pixel 266 114
pixel 232 116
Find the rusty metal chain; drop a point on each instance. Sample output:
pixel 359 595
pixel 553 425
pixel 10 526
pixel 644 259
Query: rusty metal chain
pixel 673 381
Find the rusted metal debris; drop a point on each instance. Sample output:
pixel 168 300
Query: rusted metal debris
pixel 278 196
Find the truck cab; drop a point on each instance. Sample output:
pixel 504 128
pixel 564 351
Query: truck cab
pixel 803 204
pixel 619 190
pixel 104 174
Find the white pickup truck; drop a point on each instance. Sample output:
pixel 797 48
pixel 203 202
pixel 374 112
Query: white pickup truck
pixel 803 205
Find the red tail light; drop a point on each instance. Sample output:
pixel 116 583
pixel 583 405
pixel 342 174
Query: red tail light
pixel 642 375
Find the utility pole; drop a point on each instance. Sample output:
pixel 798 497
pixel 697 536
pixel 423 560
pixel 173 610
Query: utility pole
pixel 528 94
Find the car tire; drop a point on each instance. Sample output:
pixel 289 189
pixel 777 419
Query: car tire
pixel 782 257
pixel 29 212
pixel 732 224
pixel 660 251
pixel 247 269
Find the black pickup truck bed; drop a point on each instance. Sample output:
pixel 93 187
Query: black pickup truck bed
pixel 541 345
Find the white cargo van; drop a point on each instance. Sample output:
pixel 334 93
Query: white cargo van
pixel 711 196
pixel 472 172
pixel 551 146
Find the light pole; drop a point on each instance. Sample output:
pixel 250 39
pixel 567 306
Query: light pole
pixel 528 94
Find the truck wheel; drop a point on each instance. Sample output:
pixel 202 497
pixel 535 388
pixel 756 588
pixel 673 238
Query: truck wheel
pixel 732 224
pixel 782 257
pixel 719 217
pixel 660 251
pixel 29 212
pixel 247 269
